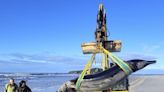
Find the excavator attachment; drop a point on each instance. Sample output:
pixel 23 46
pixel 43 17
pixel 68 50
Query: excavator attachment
pixel 111 46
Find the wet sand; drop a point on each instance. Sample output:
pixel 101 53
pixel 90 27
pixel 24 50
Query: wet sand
pixel 146 83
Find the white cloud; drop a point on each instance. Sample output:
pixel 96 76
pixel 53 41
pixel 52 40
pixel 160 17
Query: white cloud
pixel 148 49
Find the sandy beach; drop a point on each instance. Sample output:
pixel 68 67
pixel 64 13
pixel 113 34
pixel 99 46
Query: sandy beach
pixel 146 83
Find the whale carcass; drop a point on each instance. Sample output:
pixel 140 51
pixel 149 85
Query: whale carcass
pixel 105 79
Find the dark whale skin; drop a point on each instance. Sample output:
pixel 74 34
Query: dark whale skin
pixel 105 79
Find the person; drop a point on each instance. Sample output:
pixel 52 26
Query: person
pixel 23 87
pixel 11 86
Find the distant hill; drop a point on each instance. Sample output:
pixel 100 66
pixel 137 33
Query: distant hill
pixel 93 70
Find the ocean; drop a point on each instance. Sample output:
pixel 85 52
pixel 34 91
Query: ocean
pixel 38 82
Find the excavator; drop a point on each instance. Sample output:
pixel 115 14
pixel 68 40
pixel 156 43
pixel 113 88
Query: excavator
pixel 115 71
pixel 101 37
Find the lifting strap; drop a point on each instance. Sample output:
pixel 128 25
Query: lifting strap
pixel 86 68
pixel 124 66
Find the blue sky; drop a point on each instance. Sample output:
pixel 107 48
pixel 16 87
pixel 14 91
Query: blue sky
pixel 46 35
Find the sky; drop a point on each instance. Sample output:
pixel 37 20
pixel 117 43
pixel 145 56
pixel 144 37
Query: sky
pixel 46 35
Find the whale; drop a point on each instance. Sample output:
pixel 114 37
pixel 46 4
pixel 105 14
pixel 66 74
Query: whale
pixel 105 79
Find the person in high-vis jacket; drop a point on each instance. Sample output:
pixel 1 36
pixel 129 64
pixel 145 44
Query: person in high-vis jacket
pixel 11 86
